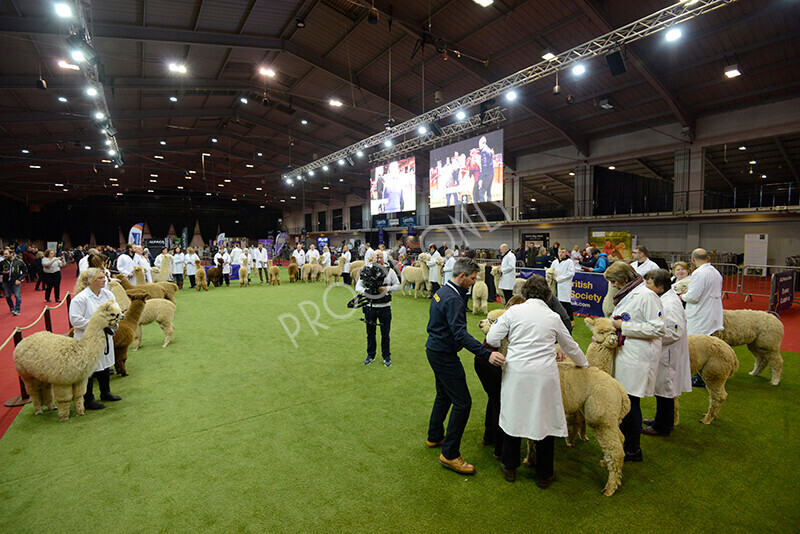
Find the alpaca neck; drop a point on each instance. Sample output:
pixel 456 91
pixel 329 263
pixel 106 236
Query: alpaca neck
pixel 600 356
pixel 134 313
pixel 139 277
pixel 125 283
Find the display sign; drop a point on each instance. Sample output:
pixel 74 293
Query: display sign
pixel 408 221
pixel 617 245
pixel 781 293
pixel 755 249
pixel 322 242
pixel 393 187
pixel 380 223
pixel 541 239
pixel 467 172
pixel 588 291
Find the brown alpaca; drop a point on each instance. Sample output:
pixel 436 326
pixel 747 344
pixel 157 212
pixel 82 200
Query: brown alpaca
pixel 200 277
pixel 171 288
pixel 214 274
pixel 156 291
pixel 294 271
pixel 128 328
pixel 274 274
pixel 244 272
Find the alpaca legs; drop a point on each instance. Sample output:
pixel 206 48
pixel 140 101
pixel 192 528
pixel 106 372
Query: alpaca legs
pixel 63 396
pixel 760 362
pixel 34 389
pixel 168 328
pixel 47 396
pixel 78 391
pixel 137 339
pixel 677 416
pixel 716 396
pixel 766 357
pixel 613 456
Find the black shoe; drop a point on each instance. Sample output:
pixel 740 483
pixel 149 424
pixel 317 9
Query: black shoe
pixel 635 457
pixel 545 483
pixel 509 474
pixel 698 382
pixel 93 405
pixel 110 397
pixel 650 431
pixel 369 360
pixel 648 422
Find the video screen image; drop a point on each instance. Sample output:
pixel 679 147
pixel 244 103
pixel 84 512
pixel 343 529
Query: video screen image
pixel 393 187
pixel 468 171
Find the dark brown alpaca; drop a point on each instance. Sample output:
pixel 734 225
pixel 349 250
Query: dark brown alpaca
pixel 128 328
pixel 215 274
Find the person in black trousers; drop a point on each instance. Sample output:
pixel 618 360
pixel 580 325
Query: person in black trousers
pixel 447 335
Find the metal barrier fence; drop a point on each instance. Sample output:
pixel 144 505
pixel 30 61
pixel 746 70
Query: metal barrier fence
pixel 731 278
pixel 757 279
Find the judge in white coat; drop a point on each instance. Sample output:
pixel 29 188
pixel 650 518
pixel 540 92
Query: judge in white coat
pixel 90 295
pixel 449 263
pixel 674 374
pixel 643 263
pixel 299 255
pixel 531 405
pixel 638 315
pixel 236 255
pixel 162 259
pixel 312 254
pixel 433 268
pixel 261 257
pixel 326 257
pixel 191 267
pixel 125 263
pixel 704 297
pixel 178 265
pixel 368 254
pixel 565 272
pixel 222 254
pixel 508 272
pixel 345 258
pixel 140 261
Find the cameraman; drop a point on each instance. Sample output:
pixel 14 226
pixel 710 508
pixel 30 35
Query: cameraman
pixel 378 305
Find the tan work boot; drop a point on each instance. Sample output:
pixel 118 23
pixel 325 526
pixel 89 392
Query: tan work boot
pixel 458 465
pixel 434 444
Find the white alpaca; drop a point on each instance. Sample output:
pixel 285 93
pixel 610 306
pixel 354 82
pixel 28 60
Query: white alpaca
pixel 416 276
pixel 45 358
pixel 480 292
pixel 334 271
pixel 161 311
pixel 244 272
pixel 164 270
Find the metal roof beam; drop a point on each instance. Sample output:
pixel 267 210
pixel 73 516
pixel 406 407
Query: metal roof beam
pixel 560 181
pixel 650 167
pixel 720 173
pixel 787 159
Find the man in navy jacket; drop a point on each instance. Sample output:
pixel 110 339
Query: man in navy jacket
pixel 447 335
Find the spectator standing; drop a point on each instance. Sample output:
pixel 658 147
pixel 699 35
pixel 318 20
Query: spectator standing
pixel 433 268
pixel 13 272
pixel 576 255
pixel 379 310
pixel 643 264
pixel 542 260
pixel 51 265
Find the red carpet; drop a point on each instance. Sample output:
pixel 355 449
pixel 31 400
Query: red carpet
pixel 32 305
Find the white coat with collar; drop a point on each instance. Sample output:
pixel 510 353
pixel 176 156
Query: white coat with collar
pixel 236 256
pixel 346 262
pixel 704 301
pixel 326 259
pixel 433 267
pixel 312 255
pixel 125 266
pixel 448 268
pixel 140 261
pixel 674 374
pixel 368 254
pixel 83 263
pixel 636 363
pixel 645 267
pixel 178 262
pixel 261 257
pixel 565 272
pixel 299 256
pixel 81 309
pixel 508 271
pixel 226 261
pixel 191 267
pixel 530 397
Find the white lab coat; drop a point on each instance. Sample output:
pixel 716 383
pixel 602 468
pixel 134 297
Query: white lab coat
pixel 236 256
pixel 346 265
pixel 140 261
pixel 645 267
pixel 326 259
pixel 368 254
pixel 508 271
pixel 226 261
pixel 674 374
pixel 83 263
pixel 433 268
pixel 191 267
pixel 311 255
pixel 636 363
pixel 704 301
pixel 530 397
pixel 178 262
pixel 125 266
pixel 261 258
pixel 81 309
pixel 448 268
pixel 565 271
pixel 299 256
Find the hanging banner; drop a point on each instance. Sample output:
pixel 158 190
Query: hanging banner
pixel 184 237
pixel 135 234
pixel 588 291
pixel 538 240
pixel 380 236
pixel 280 241
pixel 322 242
pixel 220 239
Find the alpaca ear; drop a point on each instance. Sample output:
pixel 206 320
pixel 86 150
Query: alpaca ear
pixel 589 321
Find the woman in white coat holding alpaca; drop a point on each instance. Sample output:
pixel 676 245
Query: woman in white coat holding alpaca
pixel 178 264
pixel 449 263
pixel 191 267
pixel 638 315
pixel 531 405
pixel 433 268
pixel 326 257
pixel 674 368
pixel 90 295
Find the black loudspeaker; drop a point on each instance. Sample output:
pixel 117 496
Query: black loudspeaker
pixel 616 63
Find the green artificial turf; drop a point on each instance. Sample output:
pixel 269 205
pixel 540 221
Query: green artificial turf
pixel 233 429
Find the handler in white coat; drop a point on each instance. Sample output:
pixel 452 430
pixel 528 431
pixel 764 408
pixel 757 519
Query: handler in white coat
pixel 531 405
pixel 178 265
pixel 449 263
pixel 223 255
pixel 674 368
pixel 326 257
pixel 236 255
pixel 262 257
pixel 140 261
pixel 638 315
pixel 433 268
pixel 565 272
pixel 643 263
pixel 299 256
pixel 125 264
pixel 81 308
pixel 345 258
pixel 508 272
pixel 191 267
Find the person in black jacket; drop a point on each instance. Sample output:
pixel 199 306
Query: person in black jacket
pixel 447 335
pixel 13 272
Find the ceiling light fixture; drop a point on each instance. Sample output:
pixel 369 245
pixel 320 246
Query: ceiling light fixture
pixel 300 23
pixel 611 167
pixel 243 100
pixel 578 69
pixel 732 71
pixel 266 71
pixel 163 142
pixel 159 157
pixel 69 66
pixel 511 96
pixel 35 166
pixel 91 91
pixel 360 153
pixel 548 54
pixel 422 130
pixel 324 167
pixel 742 147
pixel 259 188
pixel 763 175
pixel 63 99
pixel 303 122
pixel 484 3
pixel 26 151
pixel 153 176
pixel 87 147
pixel 63 10
pixel 249 165
pixel 335 103
pixel 173 99
pixel 175 67
pixel 752 162
pixel 572 173
pixel 673 34
pixel 227 180
pixel 214 139
pixel 387 143
pixel 461 115
pixel 99 115
pixel 311 173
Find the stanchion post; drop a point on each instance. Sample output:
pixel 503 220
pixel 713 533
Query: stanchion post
pixel 23 397
pixel 48 322
pixel 69 301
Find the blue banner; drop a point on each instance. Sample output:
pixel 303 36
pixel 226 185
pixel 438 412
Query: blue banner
pixel 381 223
pixel 588 291
pixel 408 221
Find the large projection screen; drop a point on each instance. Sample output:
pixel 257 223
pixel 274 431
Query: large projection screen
pixel 468 171
pixel 393 187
